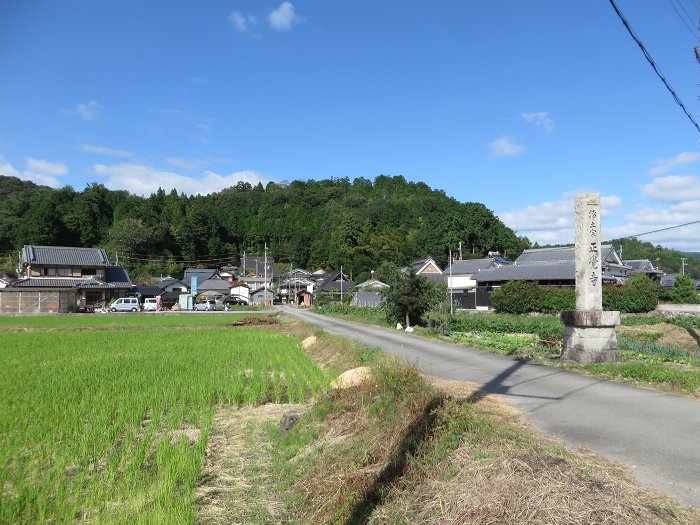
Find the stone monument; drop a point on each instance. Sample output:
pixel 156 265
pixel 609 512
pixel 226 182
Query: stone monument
pixel 589 333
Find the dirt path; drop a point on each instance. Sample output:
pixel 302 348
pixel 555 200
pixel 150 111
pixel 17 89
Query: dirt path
pixel 232 484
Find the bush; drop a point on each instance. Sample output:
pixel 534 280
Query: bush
pixel 684 290
pixel 639 295
pixel 557 298
pixel 439 318
pixel 517 297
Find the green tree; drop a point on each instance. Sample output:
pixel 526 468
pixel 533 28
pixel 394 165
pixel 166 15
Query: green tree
pixel 409 297
pixel 684 290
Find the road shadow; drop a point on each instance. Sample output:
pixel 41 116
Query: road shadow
pixel 495 385
pixel 693 333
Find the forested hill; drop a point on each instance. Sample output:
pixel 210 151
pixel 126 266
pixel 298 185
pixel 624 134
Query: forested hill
pixel 360 224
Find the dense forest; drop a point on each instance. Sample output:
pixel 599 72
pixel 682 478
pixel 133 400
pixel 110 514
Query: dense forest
pixel 361 224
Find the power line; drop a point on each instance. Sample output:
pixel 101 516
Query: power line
pixel 660 230
pixel 653 64
pixel 687 19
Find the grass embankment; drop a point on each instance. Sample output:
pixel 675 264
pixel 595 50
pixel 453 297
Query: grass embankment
pixel 652 356
pixel 404 449
pixel 111 426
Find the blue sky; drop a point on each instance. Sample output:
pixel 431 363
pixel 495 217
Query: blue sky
pixel 517 105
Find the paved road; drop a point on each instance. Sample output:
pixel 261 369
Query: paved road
pixel 657 435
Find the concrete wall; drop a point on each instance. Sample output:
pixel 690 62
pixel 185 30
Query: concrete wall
pixel 677 309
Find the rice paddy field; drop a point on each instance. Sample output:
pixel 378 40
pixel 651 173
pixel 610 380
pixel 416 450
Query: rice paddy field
pixel 105 419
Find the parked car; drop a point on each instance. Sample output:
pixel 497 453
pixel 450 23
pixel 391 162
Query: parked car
pixel 205 305
pixel 234 300
pixel 125 304
pixel 149 304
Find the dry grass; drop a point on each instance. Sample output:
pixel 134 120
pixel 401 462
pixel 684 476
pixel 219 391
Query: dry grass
pixel 416 451
pixel 671 335
pixel 517 477
pixel 236 481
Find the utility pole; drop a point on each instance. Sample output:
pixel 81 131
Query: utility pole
pixel 683 259
pixel 460 250
pixel 450 278
pixel 341 284
pixel 265 283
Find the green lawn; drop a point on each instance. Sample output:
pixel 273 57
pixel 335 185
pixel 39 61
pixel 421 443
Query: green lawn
pixel 110 426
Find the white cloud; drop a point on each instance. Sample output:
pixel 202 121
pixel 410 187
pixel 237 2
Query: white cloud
pixel 553 222
pixel 505 147
pixel 104 150
pixel 144 180
pixel 45 167
pixel 673 188
pixel 241 22
pixel 39 171
pixel 284 17
pixel 89 110
pixel 665 165
pixel 541 119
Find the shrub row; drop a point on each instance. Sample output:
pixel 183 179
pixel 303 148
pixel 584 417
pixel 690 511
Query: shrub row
pixel 639 294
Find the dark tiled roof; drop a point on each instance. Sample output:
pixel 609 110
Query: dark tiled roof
pixel 214 285
pixel 64 256
pixel 148 291
pixel 565 254
pixel 333 284
pixel 642 266
pixel 469 266
pixel 117 276
pixel 63 283
pixel 167 282
pixel 202 275
pixel 528 272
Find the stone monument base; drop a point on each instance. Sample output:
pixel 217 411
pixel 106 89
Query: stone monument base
pixel 589 336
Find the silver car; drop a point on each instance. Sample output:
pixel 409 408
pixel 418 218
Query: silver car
pixel 125 304
pixel 205 305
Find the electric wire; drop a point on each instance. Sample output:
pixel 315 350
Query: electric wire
pixel 686 20
pixel 660 230
pixel 651 61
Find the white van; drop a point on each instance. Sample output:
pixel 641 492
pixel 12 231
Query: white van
pixel 149 304
pixel 125 304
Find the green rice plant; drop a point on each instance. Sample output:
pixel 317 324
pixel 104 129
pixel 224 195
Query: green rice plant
pixel 143 320
pixel 111 426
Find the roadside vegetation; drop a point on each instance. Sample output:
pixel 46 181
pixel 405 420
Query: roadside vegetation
pixel 402 448
pixel 660 352
pixel 118 425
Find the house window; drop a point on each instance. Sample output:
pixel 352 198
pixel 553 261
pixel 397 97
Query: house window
pixel 57 272
pixel 89 271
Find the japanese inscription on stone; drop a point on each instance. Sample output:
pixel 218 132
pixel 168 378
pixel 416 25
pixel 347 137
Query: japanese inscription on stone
pixel 588 258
